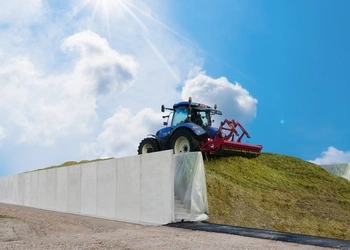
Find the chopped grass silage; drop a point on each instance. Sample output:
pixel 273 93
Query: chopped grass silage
pixel 280 193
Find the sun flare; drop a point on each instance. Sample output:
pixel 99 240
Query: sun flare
pixel 109 11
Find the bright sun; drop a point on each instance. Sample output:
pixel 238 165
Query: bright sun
pixel 107 10
pixel 106 6
pixel 104 10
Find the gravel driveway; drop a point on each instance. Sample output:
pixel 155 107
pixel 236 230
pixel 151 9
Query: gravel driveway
pixel 30 228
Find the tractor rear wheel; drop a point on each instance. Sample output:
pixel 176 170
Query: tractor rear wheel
pixel 182 142
pixel 148 145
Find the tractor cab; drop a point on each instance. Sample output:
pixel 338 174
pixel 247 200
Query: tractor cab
pixel 184 114
pixel 190 112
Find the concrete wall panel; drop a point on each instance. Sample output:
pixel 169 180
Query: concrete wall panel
pixel 157 186
pixel 107 188
pixel 74 189
pixel 128 188
pixel 27 189
pixel 61 189
pixel 4 188
pixel 51 185
pixel 88 188
pixel 42 189
pixel 34 187
pixel 10 189
pixel 14 184
pixel 21 191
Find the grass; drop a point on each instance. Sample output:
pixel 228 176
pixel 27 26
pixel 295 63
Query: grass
pixel 279 193
pixel 72 163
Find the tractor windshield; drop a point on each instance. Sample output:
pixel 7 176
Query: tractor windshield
pixel 180 116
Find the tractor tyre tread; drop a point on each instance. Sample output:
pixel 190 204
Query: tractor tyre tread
pixel 151 142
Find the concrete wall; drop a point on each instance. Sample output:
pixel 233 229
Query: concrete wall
pixel 137 189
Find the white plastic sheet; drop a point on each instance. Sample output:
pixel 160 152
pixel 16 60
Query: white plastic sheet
pixel 342 170
pixel 190 184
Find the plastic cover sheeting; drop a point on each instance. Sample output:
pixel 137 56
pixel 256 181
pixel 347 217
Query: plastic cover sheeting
pixel 190 185
pixel 342 170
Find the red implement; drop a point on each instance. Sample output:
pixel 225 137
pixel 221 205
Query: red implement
pixel 224 143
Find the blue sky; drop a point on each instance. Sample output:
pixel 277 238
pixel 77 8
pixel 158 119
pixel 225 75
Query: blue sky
pixel 85 79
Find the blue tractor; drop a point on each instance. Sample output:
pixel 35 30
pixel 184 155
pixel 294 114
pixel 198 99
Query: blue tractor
pixel 190 130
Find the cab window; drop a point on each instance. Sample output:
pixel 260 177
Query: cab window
pixel 180 116
pixel 201 117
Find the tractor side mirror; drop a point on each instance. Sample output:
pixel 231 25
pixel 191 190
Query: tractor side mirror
pixel 162 108
pixel 165 123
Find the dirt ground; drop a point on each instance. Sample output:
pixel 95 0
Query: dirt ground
pixel 29 228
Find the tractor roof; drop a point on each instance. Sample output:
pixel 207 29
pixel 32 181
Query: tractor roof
pixel 198 106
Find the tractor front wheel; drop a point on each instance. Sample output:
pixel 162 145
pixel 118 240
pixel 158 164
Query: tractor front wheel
pixel 183 142
pixel 148 145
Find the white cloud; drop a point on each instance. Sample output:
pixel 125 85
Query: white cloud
pixel 21 12
pixel 99 65
pixel 123 132
pixel 232 99
pixel 46 107
pixel 332 156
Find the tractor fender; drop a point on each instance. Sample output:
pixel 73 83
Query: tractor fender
pixel 152 136
pixel 164 132
pixel 196 129
pixel 161 142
